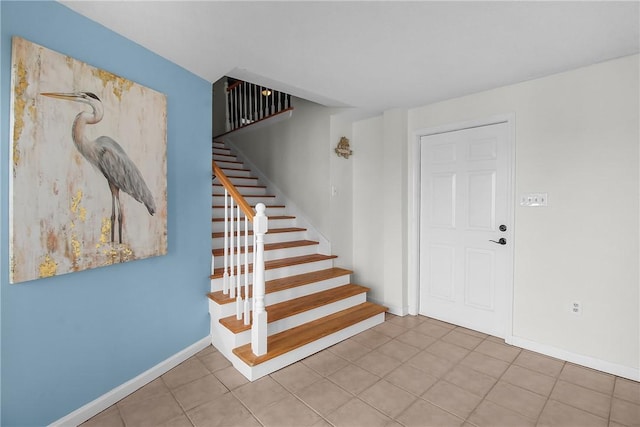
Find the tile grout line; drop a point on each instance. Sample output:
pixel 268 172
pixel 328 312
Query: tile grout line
pixel 555 382
pixel 496 383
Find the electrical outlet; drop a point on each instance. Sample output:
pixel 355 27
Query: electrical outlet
pixel 576 308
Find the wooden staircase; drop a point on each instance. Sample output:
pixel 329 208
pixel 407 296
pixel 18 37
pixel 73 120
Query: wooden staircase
pixel 310 304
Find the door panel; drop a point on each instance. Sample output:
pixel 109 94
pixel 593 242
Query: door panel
pixel 464 191
pixel 443 200
pixel 442 272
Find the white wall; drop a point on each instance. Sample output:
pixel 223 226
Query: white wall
pixel 368 209
pixel 341 203
pixel 577 139
pixel 293 154
pixel 297 157
pixel 379 208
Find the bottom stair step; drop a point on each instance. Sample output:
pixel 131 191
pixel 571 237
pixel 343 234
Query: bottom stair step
pixel 297 305
pixel 299 336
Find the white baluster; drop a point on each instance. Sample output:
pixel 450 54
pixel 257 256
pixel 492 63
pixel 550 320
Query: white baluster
pixel 273 102
pixel 246 271
pixel 232 288
pixel 244 102
pixel 259 327
pixel 225 276
pixel 233 108
pixel 238 288
pixel 260 102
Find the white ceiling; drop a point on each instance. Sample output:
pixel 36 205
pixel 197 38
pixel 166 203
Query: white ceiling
pixel 375 55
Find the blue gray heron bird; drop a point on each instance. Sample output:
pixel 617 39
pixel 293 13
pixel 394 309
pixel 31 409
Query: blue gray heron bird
pixel 108 157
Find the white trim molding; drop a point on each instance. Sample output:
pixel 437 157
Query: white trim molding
pixel 391 308
pixel 413 262
pixel 108 399
pixel 579 359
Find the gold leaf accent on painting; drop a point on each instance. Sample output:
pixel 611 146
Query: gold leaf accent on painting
pixel 19 107
pixel 75 201
pixel 76 208
pixel 119 84
pixel 48 267
pixel 105 232
pixel 75 251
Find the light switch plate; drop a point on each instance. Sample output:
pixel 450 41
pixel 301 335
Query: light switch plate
pixel 534 199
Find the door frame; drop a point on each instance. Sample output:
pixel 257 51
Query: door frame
pixel 413 295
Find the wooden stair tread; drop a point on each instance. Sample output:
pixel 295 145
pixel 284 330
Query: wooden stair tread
pixel 242 177
pixel 278 263
pixel 242 185
pixel 270 218
pixel 253 206
pixel 228 161
pixel 229 168
pixel 291 339
pixel 270 246
pixel 247 195
pixel 298 305
pixel 271 231
pixel 277 285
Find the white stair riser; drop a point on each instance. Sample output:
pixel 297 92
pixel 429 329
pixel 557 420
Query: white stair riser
pixel 259 371
pixel 224 151
pixel 224 157
pixel 229 164
pixel 278 273
pixel 218 226
pixel 223 310
pixel 282 325
pixel 270 255
pixel 239 181
pixel 219 212
pixel 236 171
pixel 218 242
pixel 256 191
pixel 219 200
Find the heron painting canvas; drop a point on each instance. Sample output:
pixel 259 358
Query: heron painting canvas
pixel 88 166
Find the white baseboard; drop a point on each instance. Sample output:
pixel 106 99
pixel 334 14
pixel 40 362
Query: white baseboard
pixel 98 405
pixel 393 309
pixel 589 362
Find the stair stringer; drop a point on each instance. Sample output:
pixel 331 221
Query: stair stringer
pixel 312 232
pixel 253 373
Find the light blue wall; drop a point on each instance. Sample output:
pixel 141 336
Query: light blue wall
pixel 67 340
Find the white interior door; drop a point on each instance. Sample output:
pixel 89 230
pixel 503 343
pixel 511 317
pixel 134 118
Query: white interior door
pixel 465 276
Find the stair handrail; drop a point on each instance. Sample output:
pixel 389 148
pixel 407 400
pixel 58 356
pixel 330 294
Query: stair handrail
pixel 233 191
pixel 260 227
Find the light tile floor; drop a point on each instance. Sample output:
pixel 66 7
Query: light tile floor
pixel 408 371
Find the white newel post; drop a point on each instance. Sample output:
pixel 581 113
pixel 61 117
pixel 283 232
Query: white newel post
pixel 259 327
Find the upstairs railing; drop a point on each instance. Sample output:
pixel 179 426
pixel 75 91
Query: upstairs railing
pixel 249 103
pixel 237 215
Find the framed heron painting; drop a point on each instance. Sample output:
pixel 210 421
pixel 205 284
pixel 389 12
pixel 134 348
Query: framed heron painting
pixel 88 183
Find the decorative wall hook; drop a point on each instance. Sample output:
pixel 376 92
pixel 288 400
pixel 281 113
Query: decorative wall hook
pixel 343 150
